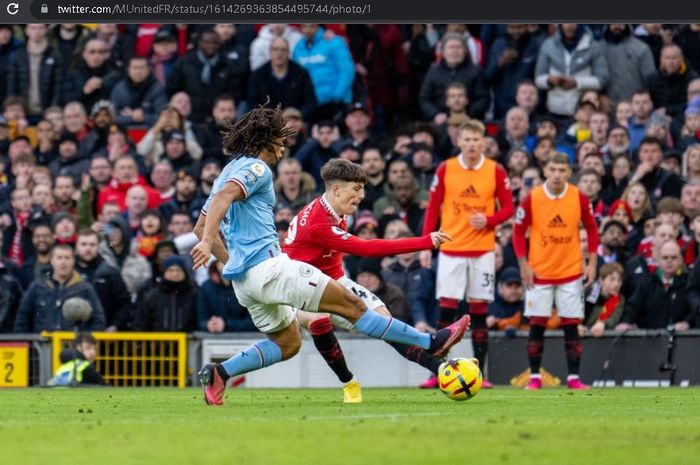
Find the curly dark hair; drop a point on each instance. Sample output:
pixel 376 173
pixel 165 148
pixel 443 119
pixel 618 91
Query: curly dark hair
pixel 256 131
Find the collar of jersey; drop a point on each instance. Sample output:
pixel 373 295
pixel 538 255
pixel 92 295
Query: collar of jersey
pixel 326 204
pixel 552 196
pixel 478 165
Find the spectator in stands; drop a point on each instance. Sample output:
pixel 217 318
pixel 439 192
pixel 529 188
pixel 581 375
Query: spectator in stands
pixel 527 98
pixel 515 131
pixel 642 107
pixel 599 124
pixel 69 161
pixel 164 56
pixel 46 140
pixel 423 165
pixel 180 224
pixel 10 293
pixel 204 73
pixel 185 198
pixel 36 72
pixel 612 248
pixel 175 151
pixel 102 136
pixel 645 261
pixel 373 164
pixel 283 81
pixel 136 203
pixel 690 132
pixel 661 299
pixel 588 68
pixel 293 188
pixel 9 44
pixel 118 251
pixel 124 176
pixel 590 183
pixel 16 227
pixel 657 181
pixel 318 149
pixel 618 143
pixel 37 264
pixel 121 45
pixel 75 120
pixel 668 86
pixel 506 311
pixel 329 64
pixel 630 61
pixel 404 272
pixel 511 59
pixel 138 97
pixel 236 52
pixel 106 280
pixel 211 169
pixel 260 48
pixel 370 277
pixel 402 204
pixel 170 119
pixel 163 180
pixel 65 228
pixel 93 77
pixel 64 194
pixel 218 309
pixel 66 39
pixel 209 133
pixel 690 198
pixel 41 306
pixel 455 66
pixel 172 304
pixel 604 303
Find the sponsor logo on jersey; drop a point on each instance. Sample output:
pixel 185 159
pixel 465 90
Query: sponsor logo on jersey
pixel 469 192
pixel 556 222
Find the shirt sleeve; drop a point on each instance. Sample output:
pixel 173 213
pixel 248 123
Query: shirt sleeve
pixel 505 199
pixel 334 238
pixel 437 195
pixel 523 219
pixel 251 177
pixel 588 220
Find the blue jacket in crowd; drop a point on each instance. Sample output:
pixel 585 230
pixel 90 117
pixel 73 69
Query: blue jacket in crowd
pixel 330 65
pixel 220 300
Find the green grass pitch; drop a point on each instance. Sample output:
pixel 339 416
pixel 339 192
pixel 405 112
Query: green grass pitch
pixel 313 426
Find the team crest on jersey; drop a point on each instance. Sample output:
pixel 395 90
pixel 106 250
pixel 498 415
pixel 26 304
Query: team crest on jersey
pixel 520 215
pixel 258 169
pixel 340 232
pixel 305 271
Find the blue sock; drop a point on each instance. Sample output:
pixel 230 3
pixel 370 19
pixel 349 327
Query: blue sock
pixel 259 355
pixel 379 326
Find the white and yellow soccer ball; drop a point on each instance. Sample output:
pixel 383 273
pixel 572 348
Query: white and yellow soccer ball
pixel 460 378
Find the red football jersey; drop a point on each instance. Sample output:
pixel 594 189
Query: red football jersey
pixel 318 236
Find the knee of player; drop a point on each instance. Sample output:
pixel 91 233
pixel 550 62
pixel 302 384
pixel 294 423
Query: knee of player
pixel 355 304
pixel 290 347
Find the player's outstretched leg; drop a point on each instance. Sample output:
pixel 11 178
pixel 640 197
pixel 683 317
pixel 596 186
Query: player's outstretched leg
pixel 417 355
pixel 535 348
pixel 448 310
pixel 321 328
pixel 281 345
pixel 572 346
pixel 480 335
pixel 338 300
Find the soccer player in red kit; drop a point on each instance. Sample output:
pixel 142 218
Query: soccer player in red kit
pixel 470 195
pixel 552 267
pixel 318 236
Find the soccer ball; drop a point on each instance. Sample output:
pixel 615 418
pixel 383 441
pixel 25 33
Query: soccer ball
pixel 459 378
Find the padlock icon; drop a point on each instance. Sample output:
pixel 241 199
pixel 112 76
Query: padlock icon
pixel 44 8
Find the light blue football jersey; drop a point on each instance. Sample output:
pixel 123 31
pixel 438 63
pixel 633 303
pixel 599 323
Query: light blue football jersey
pixel 249 225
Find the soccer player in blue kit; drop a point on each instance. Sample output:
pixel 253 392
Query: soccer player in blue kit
pixel 267 281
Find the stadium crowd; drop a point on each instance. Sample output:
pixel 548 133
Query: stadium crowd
pixel 110 143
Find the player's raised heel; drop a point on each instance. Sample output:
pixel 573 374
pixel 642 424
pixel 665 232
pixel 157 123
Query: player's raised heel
pixel 214 386
pixel 352 393
pixel 451 335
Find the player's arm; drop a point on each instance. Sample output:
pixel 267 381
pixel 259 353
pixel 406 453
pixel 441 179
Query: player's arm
pixel 218 248
pixel 333 238
pixel 437 195
pixel 591 227
pixel 505 199
pixel 523 219
pixel 231 192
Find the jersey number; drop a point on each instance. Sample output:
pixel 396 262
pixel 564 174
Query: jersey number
pixel 291 232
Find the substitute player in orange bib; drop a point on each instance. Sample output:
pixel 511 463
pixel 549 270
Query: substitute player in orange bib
pixel 470 195
pixel 553 269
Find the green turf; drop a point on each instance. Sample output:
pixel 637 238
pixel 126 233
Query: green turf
pixel 392 426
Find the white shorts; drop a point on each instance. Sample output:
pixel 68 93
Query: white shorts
pixel 371 301
pixel 567 298
pixel 272 288
pixel 465 278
